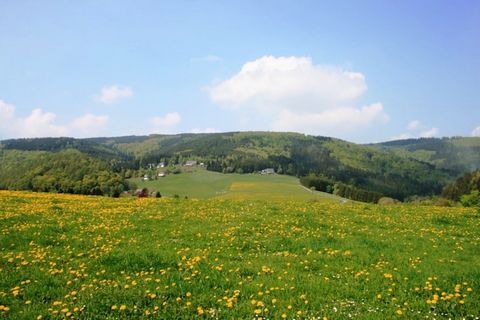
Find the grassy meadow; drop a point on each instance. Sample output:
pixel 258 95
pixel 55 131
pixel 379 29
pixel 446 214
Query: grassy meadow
pixel 86 257
pixel 200 184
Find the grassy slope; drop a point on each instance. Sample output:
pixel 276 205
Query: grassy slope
pixel 64 255
pixel 206 184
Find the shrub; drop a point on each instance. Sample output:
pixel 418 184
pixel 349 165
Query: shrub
pixel 387 201
pixel 471 200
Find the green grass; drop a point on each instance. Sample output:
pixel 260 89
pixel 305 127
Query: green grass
pixel 80 257
pixel 201 184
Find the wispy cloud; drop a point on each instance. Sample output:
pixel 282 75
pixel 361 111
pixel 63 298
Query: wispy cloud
pixel 164 124
pixel 476 132
pixel 416 129
pixel 114 93
pixel 204 130
pixel 207 58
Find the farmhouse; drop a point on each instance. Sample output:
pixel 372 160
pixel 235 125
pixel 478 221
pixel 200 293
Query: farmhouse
pixel 190 163
pixel 268 171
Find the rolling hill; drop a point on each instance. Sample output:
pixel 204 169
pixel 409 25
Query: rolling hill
pixel 398 168
pixel 458 154
pixel 203 184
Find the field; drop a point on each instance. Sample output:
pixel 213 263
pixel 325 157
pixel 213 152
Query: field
pixel 201 184
pixel 85 257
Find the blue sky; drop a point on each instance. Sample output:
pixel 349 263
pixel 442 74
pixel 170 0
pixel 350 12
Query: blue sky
pixel 363 71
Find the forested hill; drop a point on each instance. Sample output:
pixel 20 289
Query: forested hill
pixel 381 168
pixel 458 154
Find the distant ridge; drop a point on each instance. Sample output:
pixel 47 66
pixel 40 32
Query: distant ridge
pixel 398 169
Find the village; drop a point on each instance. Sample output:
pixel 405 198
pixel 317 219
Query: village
pixel 161 169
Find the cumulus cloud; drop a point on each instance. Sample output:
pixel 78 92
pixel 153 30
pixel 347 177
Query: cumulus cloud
pixel 114 93
pixel 166 123
pixel 294 94
pixel 330 120
pixel 476 132
pixel 416 129
pixel 40 123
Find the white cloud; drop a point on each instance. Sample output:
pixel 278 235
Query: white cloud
pixel 333 121
pixel 166 123
pixel 293 94
pixel 402 136
pixel 204 130
pixel 416 129
pixel 40 123
pixel 89 124
pixel 114 94
pixel 6 112
pixel 476 132
pixel 432 132
pixel 414 124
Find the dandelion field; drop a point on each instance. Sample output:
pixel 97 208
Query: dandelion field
pixel 81 257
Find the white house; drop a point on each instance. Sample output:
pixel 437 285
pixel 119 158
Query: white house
pixel 190 163
pixel 268 171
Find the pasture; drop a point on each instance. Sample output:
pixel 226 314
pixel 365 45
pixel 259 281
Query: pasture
pixel 201 184
pixel 86 257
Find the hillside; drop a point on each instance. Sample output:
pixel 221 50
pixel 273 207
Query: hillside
pixel 382 168
pixel 204 184
pixel 458 154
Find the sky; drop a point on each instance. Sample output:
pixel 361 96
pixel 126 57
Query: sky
pixel 363 71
